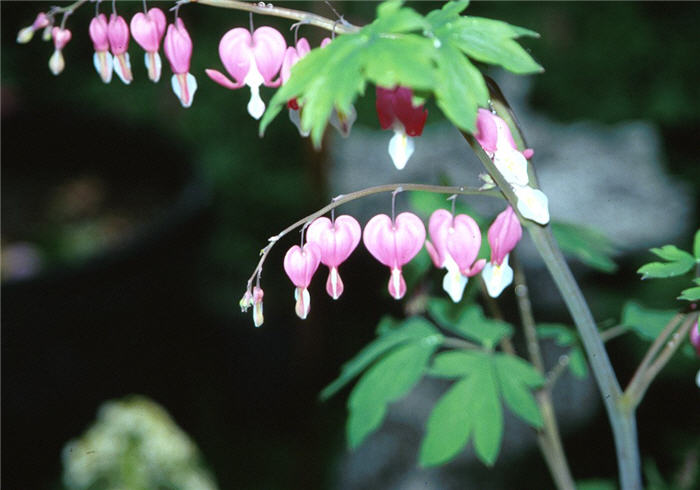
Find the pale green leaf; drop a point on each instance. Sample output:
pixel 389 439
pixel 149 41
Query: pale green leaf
pixel 406 60
pixel 690 294
pixel 562 335
pixel 459 363
pixel 696 245
pixel 415 328
pixel 491 41
pixel 587 245
pixel 488 429
pixel 519 369
pixel 596 484
pixel 474 325
pixel 646 322
pixel 517 394
pixel 678 262
pixel 460 88
pixel 386 381
pixel 449 424
pixel 393 17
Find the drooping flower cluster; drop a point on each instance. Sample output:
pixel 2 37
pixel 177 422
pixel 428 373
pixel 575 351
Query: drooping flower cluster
pixel 454 245
pixel 110 39
pixel 494 136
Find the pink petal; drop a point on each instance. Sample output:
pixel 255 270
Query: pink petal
pixel 409 237
pixel 222 79
pixel 464 241
pixel 385 107
pixel 268 48
pixel 118 33
pixel 98 33
pixel 438 225
pixel 235 51
pixel 504 234
pixel 290 58
pixel 300 264
pixel 158 17
pixel 178 47
pixel 60 37
pixel 336 240
pixel 145 31
pixel 486 130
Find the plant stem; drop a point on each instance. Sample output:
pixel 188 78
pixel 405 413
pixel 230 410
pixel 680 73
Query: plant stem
pixel 613 332
pixel 345 198
pixel 548 437
pixel 620 414
pixel 648 370
pixel 339 27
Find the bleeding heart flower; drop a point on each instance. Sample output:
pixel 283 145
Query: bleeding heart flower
pixel 695 337
pixel 60 39
pixel 395 110
pixel 532 204
pixel 503 235
pixel 300 265
pixel 148 29
pixel 118 34
pixel 251 60
pixel 291 56
pixel 102 59
pixel 27 33
pixel 394 244
pixel 178 50
pixel 336 240
pixel 456 241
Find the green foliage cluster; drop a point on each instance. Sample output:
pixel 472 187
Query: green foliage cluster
pixel 460 346
pixel 430 54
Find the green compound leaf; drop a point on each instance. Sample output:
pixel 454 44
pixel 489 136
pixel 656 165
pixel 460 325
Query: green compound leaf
pixel 515 391
pixel 690 294
pixel 678 262
pixel 401 47
pixel 474 325
pixel 565 336
pixel 473 405
pixel 587 245
pixel 386 381
pixel 491 41
pixel 390 335
pixel 460 88
pixel 646 322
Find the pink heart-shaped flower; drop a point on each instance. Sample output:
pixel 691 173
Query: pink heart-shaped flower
pixel 148 28
pixel 301 263
pixel 98 33
pixel 60 37
pixel 504 234
pixel 118 32
pixel 459 237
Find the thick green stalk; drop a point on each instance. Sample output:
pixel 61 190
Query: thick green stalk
pixel 621 415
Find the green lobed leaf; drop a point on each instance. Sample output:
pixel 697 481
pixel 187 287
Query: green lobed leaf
pixel 449 424
pixel 678 262
pixel 413 329
pixel 646 322
pixel 520 369
pixel 488 432
pixel 474 325
pixel 690 294
pixel 386 381
pixel 587 245
pixel 460 88
pixel 404 60
pixel 491 41
pixel 458 363
pixel 516 393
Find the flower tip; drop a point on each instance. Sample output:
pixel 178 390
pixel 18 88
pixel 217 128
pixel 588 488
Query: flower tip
pixel 56 62
pixel 25 35
pixel 401 147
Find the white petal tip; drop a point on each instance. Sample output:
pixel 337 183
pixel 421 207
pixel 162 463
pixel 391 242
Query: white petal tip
pixel 497 278
pixel 532 204
pixel 401 148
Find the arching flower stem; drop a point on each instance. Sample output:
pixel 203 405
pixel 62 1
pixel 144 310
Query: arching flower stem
pixel 338 27
pixel 345 198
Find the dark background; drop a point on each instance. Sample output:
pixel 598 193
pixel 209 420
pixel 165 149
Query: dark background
pixel 197 194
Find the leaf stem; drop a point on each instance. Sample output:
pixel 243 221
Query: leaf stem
pixel 548 436
pixel 345 198
pixel 339 27
pixel 613 332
